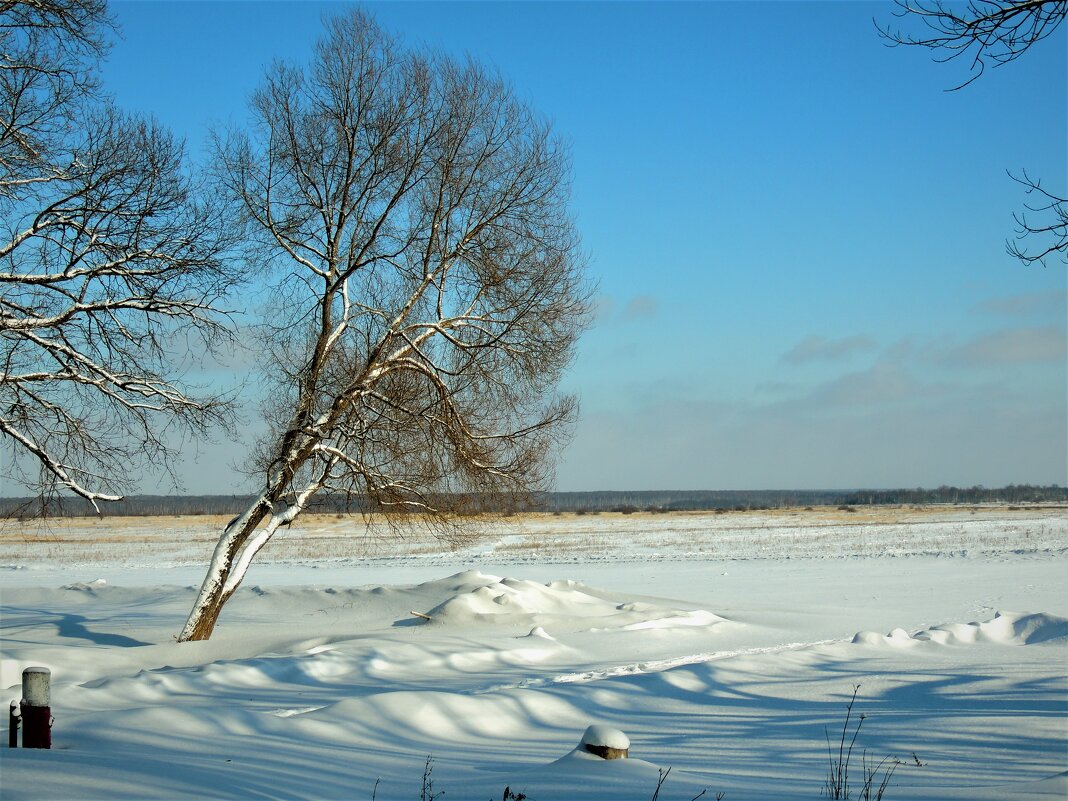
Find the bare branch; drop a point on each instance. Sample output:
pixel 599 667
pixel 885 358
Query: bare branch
pixel 111 257
pixel 980 31
pixel 1045 218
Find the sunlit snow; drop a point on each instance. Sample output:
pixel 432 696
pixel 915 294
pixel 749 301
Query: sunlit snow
pixel 725 647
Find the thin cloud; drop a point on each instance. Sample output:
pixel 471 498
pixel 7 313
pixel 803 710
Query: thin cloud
pixel 925 436
pixel 883 383
pixel 607 309
pixel 640 306
pixel 604 306
pixel 1029 305
pixel 1013 346
pixel 776 387
pixel 820 349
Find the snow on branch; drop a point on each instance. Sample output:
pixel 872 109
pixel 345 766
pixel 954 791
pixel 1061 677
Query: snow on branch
pixel 112 267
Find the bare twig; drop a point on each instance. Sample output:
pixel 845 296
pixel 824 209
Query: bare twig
pixel 662 777
pixel 427 793
pixel 998 31
pixel 1045 218
pixel 875 776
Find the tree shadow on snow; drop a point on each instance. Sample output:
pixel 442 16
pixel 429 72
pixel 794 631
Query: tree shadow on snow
pixel 71 626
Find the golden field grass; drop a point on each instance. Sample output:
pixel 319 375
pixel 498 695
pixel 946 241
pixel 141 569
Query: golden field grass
pixel 772 533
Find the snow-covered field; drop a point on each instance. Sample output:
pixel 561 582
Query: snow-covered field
pixel 725 646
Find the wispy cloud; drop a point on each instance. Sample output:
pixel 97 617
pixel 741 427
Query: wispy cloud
pixel 604 306
pixel 883 383
pixel 640 306
pixel 1028 305
pixel 816 348
pixel 776 388
pixel 1012 346
pixel 876 428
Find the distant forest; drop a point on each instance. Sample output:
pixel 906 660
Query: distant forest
pixel 574 502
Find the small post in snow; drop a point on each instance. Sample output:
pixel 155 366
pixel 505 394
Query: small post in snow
pixel 13 725
pixel 36 712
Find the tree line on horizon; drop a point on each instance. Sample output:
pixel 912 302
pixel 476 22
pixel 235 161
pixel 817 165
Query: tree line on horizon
pixel 656 501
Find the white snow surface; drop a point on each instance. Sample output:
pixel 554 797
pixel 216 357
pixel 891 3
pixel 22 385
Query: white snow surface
pixel 725 647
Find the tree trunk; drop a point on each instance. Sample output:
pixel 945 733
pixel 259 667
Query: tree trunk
pixel 219 584
pixel 202 619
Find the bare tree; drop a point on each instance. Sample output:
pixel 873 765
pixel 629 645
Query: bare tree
pixel 49 50
pixel 412 214
pixel 996 31
pixel 110 265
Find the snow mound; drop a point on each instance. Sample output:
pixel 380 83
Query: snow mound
pixel 1006 628
pixel 87 586
pixel 485 599
pixel 897 638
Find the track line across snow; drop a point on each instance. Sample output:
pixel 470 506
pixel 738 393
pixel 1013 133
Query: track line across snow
pixel 651 666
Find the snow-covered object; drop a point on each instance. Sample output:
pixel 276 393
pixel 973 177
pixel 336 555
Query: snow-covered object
pixel 606 742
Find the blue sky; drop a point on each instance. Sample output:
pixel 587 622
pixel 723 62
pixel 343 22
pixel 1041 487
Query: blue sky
pixel 798 235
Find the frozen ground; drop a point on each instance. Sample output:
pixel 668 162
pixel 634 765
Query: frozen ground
pixel 724 646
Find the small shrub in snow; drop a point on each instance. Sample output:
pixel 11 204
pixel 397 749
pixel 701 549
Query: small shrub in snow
pixel 875 775
pixel 428 793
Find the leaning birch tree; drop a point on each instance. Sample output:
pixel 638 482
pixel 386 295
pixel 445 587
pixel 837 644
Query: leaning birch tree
pixel 411 216
pixel 111 267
